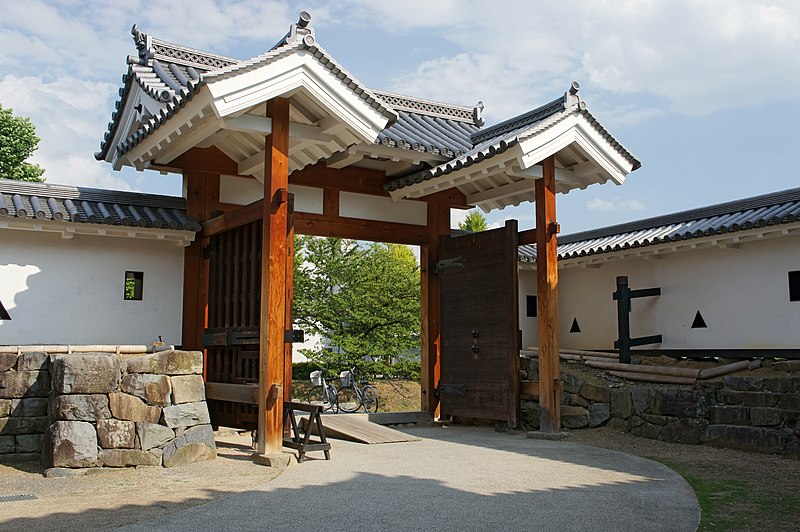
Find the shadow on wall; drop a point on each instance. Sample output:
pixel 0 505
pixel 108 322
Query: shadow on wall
pixel 15 282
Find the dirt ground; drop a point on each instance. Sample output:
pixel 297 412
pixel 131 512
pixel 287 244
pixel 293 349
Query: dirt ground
pixel 118 497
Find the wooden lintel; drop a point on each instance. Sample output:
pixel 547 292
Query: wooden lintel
pixel 358 229
pixel 547 298
pixel 348 179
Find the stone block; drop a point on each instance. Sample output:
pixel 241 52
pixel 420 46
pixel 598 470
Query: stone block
pixel 172 362
pixel 85 373
pixel 200 434
pixel 658 420
pixel 729 415
pixel 32 361
pixel 622 425
pixel 728 397
pixel 788 401
pixel 576 399
pixel 746 438
pixel 30 443
pixel 131 408
pixel 7 361
pixel 5 407
pixel 62 472
pixel 188 389
pixel 679 402
pixel 73 444
pixel 186 415
pixel 30 407
pixel 16 384
pixel 571 383
pixel 687 430
pixel 7 444
pixel 153 435
pixel 765 417
pixel 789 366
pixel 116 434
pixel 189 453
pixel 593 392
pixel 647 430
pixel 158 453
pixel 19 458
pixel 791 419
pixel 743 383
pixel 80 407
pixel 574 417
pixel 621 406
pixel 23 425
pixel 789 384
pixel 154 389
pixel 126 458
pixel 599 413
pixel 530 413
pixel 640 398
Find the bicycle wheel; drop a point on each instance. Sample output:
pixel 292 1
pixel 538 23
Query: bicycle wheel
pixel 348 399
pixel 370 399
pixel 317 396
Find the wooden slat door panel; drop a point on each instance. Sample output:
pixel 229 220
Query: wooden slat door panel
pixel 478 283
pixel 233 303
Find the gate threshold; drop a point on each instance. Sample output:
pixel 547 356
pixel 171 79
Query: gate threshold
pixel 358 428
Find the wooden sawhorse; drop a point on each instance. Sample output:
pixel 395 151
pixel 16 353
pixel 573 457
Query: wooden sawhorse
pixel 304 444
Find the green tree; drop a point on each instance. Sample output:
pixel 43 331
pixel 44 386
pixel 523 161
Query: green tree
pixel 18 141
pixel 362 300
pixel 475 221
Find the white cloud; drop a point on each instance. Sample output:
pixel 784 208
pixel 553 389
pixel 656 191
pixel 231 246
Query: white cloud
pixel 615 204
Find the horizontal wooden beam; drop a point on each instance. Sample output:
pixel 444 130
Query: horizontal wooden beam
pixel 530 388
pixel 232 219
pixel 358 229
pixel 348 179
pixel 262 125
pixel 236 393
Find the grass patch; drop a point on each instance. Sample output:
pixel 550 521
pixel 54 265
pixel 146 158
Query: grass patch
pixel 395 395
pixel 735 504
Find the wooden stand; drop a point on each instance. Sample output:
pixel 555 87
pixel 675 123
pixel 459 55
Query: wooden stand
pixel 304 444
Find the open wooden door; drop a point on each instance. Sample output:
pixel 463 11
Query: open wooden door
pixel 479 325
pixel 232 336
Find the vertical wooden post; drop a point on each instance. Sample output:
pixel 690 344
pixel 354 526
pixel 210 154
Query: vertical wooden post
pixel 202 197
pixel 273 280
pixel 288 349
pixel 547 291
pixel 438 225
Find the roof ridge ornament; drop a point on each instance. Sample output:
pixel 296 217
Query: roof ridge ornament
pixel 143 43
pixel 477 114
pixel 300 31
pixel 571 99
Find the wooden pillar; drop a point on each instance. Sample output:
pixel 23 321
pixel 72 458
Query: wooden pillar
pixel 547 292
pixel 274 294
pixel 438 224
pixel 202 197
pixel 288 325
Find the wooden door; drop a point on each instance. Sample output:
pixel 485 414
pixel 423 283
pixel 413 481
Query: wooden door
pixel 479 325
pixel 234 307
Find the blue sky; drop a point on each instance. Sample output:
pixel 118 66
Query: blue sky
pixel 703 92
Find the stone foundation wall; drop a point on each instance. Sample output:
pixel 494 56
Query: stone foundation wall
pixel 740 412
pixel 102 410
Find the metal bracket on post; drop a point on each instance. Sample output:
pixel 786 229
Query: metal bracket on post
pixel 623 297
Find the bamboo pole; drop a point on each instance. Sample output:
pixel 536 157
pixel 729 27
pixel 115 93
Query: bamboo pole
pixel 647 370
pixel 651 377
pixel 709 373
pixel 99 348
pixel 581 352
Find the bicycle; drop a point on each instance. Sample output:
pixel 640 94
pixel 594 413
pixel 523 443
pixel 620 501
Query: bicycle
pixel 351 397
pixel 323 393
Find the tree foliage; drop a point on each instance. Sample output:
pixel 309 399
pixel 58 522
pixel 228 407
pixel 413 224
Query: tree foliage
pixel 475 221
pixel 18 141
pixel 363 300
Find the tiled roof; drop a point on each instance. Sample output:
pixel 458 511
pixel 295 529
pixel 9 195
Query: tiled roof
pixel 496 139
pixel 43 201
pixel 428 126
pixel 172 74
pixel 759 211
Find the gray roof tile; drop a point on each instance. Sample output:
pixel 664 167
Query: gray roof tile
pixel 759 211
pixel 43 201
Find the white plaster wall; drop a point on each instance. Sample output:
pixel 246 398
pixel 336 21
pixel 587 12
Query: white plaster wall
pixel 368 207
pixel 240 191
pixel 743 295
pixel 71 291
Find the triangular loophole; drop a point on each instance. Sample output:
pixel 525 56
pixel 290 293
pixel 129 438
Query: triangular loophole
pixel 699 322
pixel 3 312
pixel 575 327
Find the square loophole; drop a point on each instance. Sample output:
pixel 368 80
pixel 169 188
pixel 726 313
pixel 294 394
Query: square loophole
pixel 134 285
